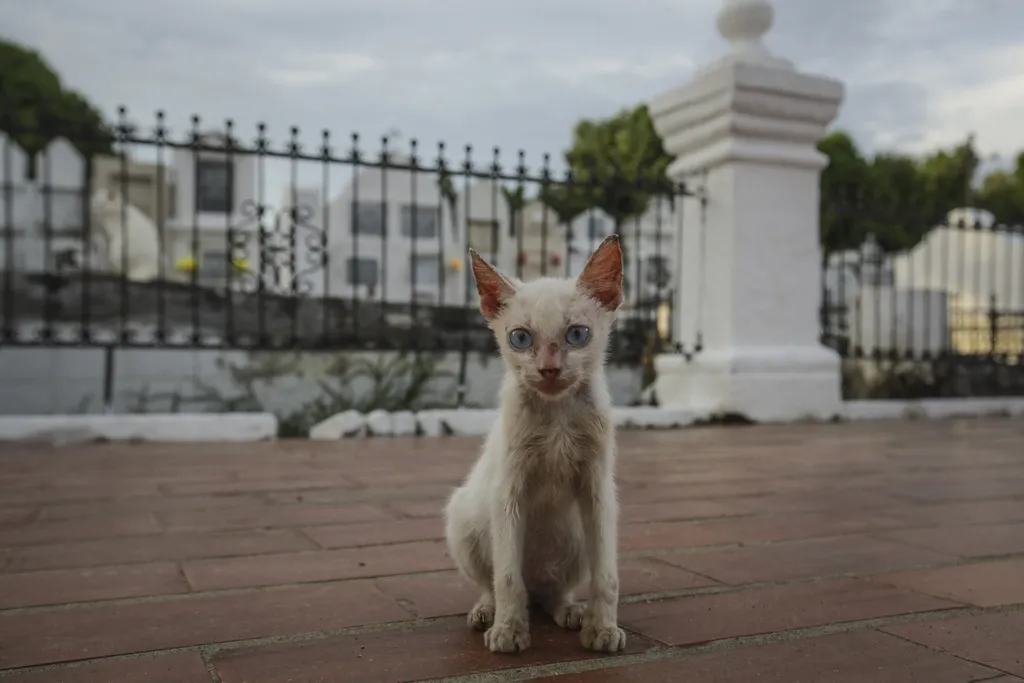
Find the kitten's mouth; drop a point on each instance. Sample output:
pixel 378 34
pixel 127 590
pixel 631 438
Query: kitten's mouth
pixel 552 388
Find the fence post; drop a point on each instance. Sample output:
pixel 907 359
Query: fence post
pixel 108 378
pixel 750 121
pixel 993 324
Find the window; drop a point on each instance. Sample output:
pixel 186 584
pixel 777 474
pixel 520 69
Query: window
pixel 367 218
pixel 214 186
pixel 419 222
pixel 214 265
pixel 597 228
pixel 362 271
pixel 426 271
pixel 171 207
pixel 658 273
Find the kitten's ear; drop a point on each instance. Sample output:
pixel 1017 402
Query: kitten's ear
pixel 601 278
pixel 493 287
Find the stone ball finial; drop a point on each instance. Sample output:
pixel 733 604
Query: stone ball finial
pixel 743 23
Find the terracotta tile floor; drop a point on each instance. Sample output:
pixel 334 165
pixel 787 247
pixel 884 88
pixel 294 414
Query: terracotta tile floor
pixel 878 553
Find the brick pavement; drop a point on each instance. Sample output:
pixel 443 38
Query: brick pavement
pixel 880 552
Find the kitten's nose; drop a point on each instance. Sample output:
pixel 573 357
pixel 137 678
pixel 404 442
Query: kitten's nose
pixel 550 373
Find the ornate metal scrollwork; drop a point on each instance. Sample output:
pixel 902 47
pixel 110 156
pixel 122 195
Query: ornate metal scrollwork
pixel 315 241
pixel 240 237
pixel 278 267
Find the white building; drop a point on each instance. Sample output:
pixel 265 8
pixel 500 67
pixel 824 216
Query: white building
pixel 194 199
pixel 395 238
pixel 386 245
pixel 933 297
pixel 388 236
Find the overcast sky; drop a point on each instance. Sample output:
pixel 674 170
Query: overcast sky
pixel 519 74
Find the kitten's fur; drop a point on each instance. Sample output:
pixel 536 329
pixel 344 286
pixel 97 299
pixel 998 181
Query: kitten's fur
pixel 537 514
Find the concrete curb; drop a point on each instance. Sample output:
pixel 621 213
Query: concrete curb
pixel 168 427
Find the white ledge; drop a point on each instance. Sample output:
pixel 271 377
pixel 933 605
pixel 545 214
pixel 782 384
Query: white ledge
pixel 167 427
pixel 477 422
pixel 933 409
pixel 471 422
pixel 242 427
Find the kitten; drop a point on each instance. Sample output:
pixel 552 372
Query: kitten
pixel 538 512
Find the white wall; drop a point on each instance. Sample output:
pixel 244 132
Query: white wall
pixel 970 264
pixel 55 381
pixel 886 319
pixel 52 204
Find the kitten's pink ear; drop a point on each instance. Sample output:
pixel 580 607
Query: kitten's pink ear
pixel 602 276
pixel 493 287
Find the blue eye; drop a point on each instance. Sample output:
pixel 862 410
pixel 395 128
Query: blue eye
pixel 520 339
pixel 577 335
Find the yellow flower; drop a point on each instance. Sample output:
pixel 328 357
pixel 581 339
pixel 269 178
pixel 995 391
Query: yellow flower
pixel 188 263
pixel 455 263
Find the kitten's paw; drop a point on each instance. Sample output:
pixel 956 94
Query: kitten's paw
pixel 570 615
pixel 507 638
pixel 603 637
pixel 481 617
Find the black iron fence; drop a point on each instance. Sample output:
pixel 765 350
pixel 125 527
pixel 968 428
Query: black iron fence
pixel 940 316
pixel 209 239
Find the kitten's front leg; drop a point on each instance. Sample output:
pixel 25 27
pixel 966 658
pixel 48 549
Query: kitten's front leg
pixel 511 629
pixel 599 509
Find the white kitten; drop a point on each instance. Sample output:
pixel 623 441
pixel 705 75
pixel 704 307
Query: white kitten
pixel 538 513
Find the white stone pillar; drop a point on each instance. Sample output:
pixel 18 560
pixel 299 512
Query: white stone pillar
pixel 750 122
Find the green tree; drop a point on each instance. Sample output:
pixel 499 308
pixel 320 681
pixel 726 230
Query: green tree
pixel 948 174
pixel 37 108
pixel 843 183
pixel 565 201
pixel 895 197
pixel 1002 193
pixel 618 165
pixel 902 207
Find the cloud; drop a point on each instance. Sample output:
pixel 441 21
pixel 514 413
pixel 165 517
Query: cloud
pixel 323 69
pixel 992 109
pixel 887 114
pixel 919 73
